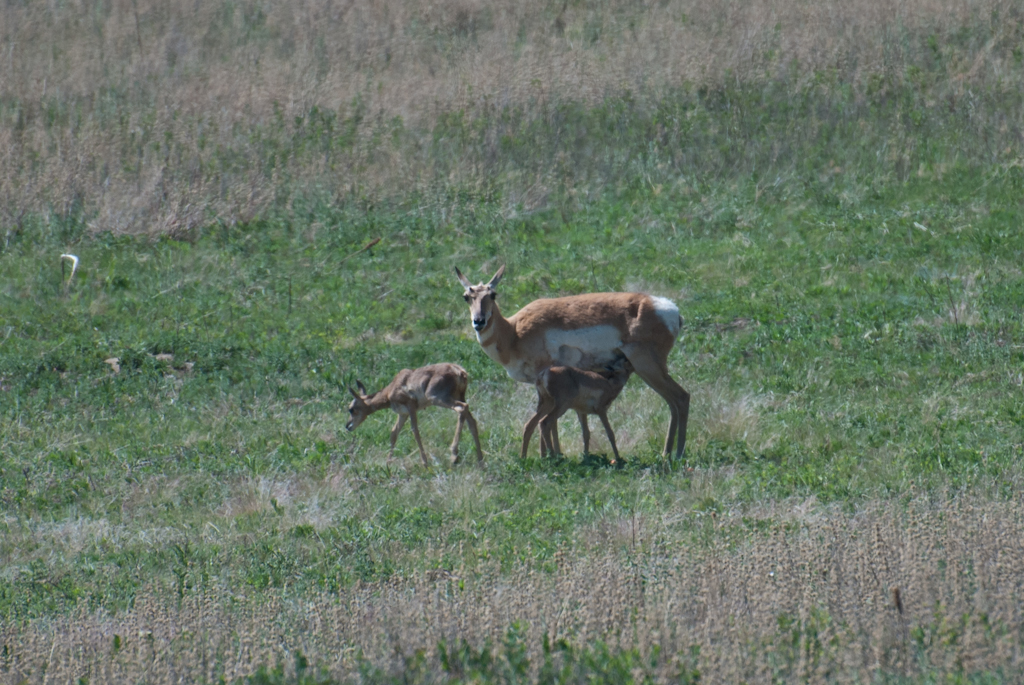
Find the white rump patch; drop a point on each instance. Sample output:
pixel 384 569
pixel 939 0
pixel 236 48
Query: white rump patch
pixel 668 312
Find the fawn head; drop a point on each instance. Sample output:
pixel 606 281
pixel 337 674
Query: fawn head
pixel 358 410
pixel 618 370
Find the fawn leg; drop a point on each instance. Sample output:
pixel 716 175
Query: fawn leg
pixel 611 438
pixel 471 422
pixel 394 433
pixel 544 407
pixel 528 429
pixel 585 427
pixel 416 432
pixel 459 411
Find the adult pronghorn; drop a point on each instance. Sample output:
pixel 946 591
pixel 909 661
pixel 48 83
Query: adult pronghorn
pixel 588 332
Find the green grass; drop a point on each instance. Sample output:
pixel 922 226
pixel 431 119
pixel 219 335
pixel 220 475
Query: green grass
pixel 835 203
pixel 508 662
pixel 836 349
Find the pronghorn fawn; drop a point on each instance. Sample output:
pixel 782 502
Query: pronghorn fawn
pixel 561 388
pixel 441 385
pixel 588 332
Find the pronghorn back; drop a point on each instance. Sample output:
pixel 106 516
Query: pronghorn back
pixel 431 381
pixel 636 317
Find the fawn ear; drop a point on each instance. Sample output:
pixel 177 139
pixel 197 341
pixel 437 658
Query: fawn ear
pixel 354 393
pixel 362 388
pixel 462 279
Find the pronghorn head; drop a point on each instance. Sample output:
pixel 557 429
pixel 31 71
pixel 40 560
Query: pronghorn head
pixel 358 410
pixel 619 369
pixel 480 298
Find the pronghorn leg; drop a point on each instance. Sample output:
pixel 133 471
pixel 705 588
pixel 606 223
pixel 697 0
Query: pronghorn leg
pixel 585 427
pixel 544 407
pixel 547 445
pixel 416 432
pixel 462 409
pixel 471 422
pixel 549 428
pixel 394 433
pixel 546 441
pixel 528 429
pixel 655 373
pixel 684 417
pixel 611 437
pixel 554 444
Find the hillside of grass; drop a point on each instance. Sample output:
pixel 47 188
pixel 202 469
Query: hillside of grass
pixel 838 355
pixel 833 195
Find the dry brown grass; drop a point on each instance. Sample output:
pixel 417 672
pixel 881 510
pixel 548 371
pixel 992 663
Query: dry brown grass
pixel 816 595
pixel 155 117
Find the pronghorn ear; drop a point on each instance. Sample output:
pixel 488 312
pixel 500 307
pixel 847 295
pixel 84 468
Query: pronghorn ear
pixel 354 393
pixel 362 388
pixel 497 277
pixel 462 279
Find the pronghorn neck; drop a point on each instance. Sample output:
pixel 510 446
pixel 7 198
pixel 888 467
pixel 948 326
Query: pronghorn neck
pixel 378 401
pixel 496 338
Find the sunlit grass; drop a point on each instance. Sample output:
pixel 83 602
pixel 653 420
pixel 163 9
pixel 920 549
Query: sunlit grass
pixel 831 195
pixel 825 349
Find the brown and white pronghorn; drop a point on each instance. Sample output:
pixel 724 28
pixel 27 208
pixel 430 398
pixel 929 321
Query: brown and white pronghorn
pixel 441 385
pixel 561 388
pixel 586 331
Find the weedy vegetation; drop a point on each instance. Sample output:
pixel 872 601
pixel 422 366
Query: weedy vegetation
pixel 833 194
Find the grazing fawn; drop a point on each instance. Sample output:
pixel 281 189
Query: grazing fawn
pixel 442 385
pixel 561 388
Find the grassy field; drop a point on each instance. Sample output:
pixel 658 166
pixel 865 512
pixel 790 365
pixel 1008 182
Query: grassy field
pixel 833 196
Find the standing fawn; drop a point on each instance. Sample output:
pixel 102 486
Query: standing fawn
pixel 561 388
pixel 442 385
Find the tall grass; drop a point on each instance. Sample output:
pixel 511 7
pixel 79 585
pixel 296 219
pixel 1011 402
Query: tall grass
pixel 924 591
pixel 161 117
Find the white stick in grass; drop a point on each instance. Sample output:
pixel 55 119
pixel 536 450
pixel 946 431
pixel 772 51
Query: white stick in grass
pixel 74 267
